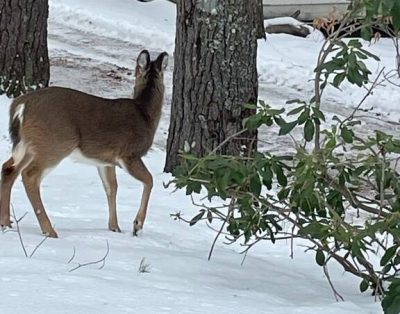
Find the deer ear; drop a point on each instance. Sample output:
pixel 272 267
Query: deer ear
pixel 143 60
pixel 162 61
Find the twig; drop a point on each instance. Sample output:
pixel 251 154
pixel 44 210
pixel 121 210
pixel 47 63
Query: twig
pixel 376 118
pixel 215 230
pixel 101 260
pixel 38 245
pixel 389 78
pixel 244 256
pixel 72 257
pixel 292 242
pixel 17 221
pixel 143 266
pixel 335 292
pixel 227 140
pixel 368 93
pixel 222 228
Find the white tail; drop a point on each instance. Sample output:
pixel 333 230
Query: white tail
pixel 53 123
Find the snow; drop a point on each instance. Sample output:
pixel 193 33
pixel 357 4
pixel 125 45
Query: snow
pixel 288 62
pixel 88 40
pixel 285 21
pixel 148 24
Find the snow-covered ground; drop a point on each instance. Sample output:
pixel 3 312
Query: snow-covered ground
pixel 93 45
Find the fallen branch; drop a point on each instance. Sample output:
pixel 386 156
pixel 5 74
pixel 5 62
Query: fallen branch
pixel 101 260
pixel 300 31
pixel 72 257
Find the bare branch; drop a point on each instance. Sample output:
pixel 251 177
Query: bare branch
pixel 222 228
pixel 72 257
pixel 17 221
pixel 101 260
pixel 369 92
pixel 38 245
pixel 335 292
pixel 227 140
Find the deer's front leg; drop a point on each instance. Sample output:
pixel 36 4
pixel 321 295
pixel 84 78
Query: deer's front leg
pixel 109 179
pixel 138 170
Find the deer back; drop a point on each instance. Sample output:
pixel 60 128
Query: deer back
pixel 59 120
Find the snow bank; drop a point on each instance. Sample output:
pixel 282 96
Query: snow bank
pixel 148 24
pixel 289 62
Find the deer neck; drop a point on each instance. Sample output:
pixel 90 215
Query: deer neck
pixel 150 99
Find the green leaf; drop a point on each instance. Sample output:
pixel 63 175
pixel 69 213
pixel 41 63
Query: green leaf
pixel 315 229
pixel 355 43
pixel 390 252
pixel 371 55
pixel 250 106
pixel 318 113
pixel 366 33
pixel 282 180
pixel 267 175
pixel 364 285
pixel 274 112
pixel 287 127
pixel 253 122
pixel 209 216
pixel 354 77
pixel 309 130
pixel 347 135
pixel 354 122
pixel 305 115
pixel 296 101
pixel 338 79
pixel 278 120
pixel 283 194
pixel 296 110
pixel 391 301
pixel 395 12
pixel 196 218
pixel 255 185
pixel 392 147
pixel 356 249
pixel 320 257
pixel 387 6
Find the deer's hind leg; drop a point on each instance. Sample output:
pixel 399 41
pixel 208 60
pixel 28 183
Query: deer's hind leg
pixel 9 173
pixel 31 177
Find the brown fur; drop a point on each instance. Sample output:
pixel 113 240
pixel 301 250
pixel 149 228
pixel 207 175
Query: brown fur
pixel 115 132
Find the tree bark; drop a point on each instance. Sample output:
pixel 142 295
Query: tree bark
pixel 215 74
pixel 24 61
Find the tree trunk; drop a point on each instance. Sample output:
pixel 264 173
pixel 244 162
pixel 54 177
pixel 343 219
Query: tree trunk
pixel 24 61
pixel 215 74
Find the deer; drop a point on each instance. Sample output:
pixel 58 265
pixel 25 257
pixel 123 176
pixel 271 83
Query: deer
pixel 53 123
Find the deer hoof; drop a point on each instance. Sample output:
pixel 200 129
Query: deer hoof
pixel 51 234
pixel 114 229
pixel 137 227
pixel 5 225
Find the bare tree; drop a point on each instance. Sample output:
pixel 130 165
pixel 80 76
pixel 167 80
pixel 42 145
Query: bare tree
pixel 215 74
pixel 24 62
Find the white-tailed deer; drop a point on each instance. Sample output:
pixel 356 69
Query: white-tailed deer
pixel 53 123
